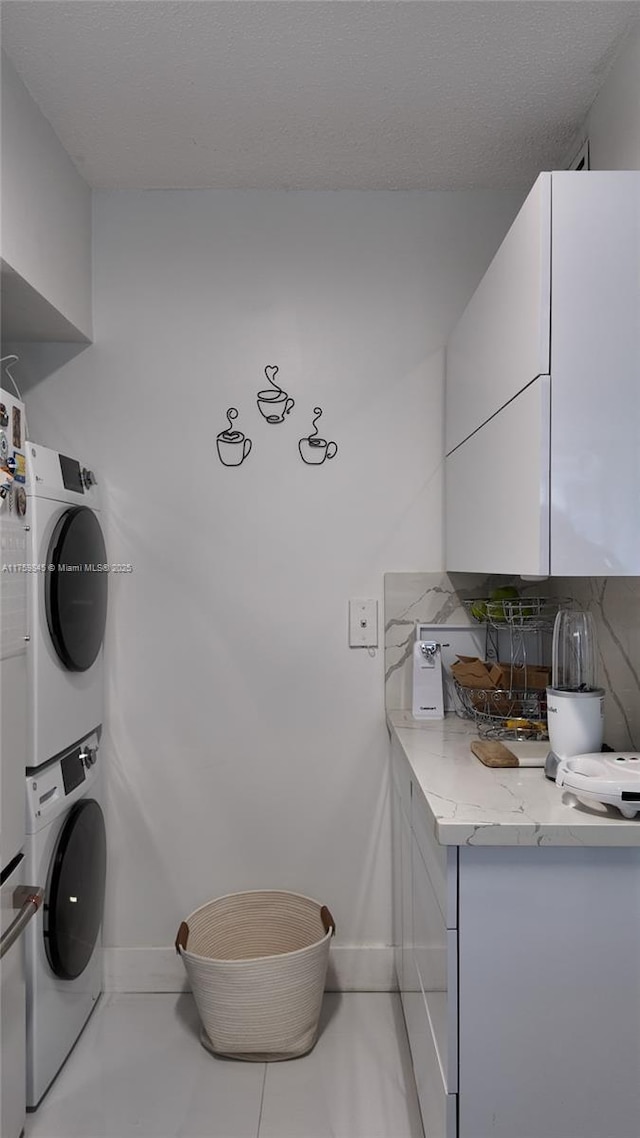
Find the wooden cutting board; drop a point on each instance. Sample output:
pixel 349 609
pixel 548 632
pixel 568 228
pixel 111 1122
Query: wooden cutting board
pixel 493 753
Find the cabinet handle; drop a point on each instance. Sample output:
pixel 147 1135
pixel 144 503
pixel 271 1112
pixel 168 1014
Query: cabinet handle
pixel 28 899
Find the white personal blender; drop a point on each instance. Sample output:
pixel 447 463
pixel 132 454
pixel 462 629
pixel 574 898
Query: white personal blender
pixel 575 704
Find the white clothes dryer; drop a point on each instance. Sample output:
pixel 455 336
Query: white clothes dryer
pixel 66 848
pixel 67 603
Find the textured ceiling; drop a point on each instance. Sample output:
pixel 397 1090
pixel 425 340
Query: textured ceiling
pixel 314 94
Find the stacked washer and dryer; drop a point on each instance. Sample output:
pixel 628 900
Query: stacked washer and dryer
pixel 19 901
pixel 65 830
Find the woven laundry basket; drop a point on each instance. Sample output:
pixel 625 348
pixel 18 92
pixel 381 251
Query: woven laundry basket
pixel 257 965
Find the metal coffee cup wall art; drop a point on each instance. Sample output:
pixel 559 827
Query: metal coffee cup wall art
pixel 275 405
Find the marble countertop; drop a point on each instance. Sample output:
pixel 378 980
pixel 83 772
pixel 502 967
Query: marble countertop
pixel 517 806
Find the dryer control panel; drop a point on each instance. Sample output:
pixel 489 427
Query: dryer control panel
pixel 57 476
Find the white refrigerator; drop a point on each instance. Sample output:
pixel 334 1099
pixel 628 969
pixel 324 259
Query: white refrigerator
pixel 18 900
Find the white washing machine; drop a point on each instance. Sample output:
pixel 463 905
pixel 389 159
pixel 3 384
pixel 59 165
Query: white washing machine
pixel 66 849
pixel 67 603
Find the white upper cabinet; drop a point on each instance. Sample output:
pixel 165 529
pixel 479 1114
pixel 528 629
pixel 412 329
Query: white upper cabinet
pixel 498 490
pixel 595 375
pixel 45 246
pixel 542 470
pixel 501 341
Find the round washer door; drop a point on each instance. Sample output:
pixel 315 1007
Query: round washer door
pixel 75 897
pixel 76 588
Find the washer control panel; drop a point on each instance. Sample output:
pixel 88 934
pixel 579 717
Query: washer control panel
pixel 55 786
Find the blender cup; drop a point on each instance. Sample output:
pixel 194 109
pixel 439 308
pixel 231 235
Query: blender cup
pixel 575 703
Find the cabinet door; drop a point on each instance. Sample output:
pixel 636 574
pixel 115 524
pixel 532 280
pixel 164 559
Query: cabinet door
pixel 441 862
pixel 549 967
pixel 497 491
pixel 409 982
pixel 438 1109
pixel 501 342
pixel 396 882
pixel 595 368
pixel 431 1011
pixel 436 954
pixel 401 879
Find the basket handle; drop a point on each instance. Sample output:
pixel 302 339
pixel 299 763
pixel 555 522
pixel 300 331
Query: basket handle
pixel 327 920
pixel 182 937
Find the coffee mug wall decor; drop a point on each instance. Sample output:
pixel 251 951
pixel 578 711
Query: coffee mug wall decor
pixel 273 402
pixel 313 449
pixel 233 446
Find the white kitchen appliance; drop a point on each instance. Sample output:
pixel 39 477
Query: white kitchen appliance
pixel 575 704
pixel 66 849
pixel 613 779
pixel 428 693
pixel 453 640
pixel 18 901
pixel 67 600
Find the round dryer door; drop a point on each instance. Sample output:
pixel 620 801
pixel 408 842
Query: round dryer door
pixel 75 896
pixel 76 588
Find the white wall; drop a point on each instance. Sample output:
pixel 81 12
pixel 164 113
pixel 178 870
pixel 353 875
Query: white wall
pixel 246 743
pixel 46 207
pixel 613 124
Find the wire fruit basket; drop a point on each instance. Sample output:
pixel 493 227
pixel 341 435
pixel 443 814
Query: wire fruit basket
pixel 518 629
pixel 531 614
pixel 505 713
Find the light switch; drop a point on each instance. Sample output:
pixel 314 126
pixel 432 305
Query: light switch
pixel 363 624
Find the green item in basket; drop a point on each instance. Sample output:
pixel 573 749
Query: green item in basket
pixel 495 609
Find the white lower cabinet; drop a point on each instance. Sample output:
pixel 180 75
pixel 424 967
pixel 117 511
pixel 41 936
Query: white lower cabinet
pixel 396 884
pixel 426 961
pixel 519 972
pixel 438 1108
pixel 435 950
pixel 431 1013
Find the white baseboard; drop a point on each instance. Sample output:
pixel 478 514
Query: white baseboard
pixel 366 968
pixel 143 970
pixel 351 969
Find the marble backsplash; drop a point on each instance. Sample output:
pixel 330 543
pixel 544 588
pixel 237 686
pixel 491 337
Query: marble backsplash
pixel 437 598
pixel 433 598
pixel 615 604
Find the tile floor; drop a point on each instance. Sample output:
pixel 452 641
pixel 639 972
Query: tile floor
pixel 139 1070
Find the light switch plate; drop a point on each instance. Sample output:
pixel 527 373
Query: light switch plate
pixel 363 623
